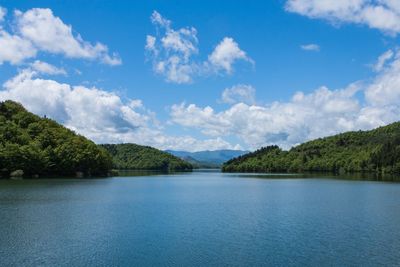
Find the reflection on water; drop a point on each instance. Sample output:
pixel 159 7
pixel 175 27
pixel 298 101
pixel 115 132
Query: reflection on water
pixel 314 175
pixel 326 175
pixel 135 173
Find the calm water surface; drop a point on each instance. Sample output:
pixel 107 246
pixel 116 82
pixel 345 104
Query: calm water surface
pixel 199 219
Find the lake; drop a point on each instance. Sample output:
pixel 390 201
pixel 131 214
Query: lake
pixel 204 218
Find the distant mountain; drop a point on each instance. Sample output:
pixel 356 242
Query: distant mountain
pixel 201 164
pixel 137 157
pixel 375 151
pixel 207 159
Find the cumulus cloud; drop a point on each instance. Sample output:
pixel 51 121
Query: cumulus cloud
pixel 385 89
pixel 321 113
pixel 97 114
pixel 310 47
pixel 15 49
pixel 172 53
pixel 88 110
pixel 38 29
pixel 239 93
pixel 383 15
pixel 361 105
pixel 225 54
pixel 157 19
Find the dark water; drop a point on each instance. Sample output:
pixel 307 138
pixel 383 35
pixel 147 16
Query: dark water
pixel 199 219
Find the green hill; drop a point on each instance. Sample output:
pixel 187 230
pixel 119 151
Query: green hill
pixel 362 151
pixel 32 146
pixel 136 157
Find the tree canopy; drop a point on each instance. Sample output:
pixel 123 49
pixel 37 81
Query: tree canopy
pixel 136 157
pixel 360 151
pixel 41 146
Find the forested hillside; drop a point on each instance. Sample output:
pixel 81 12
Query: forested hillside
pixel 136 157
pixel 35 146
pixel 362 151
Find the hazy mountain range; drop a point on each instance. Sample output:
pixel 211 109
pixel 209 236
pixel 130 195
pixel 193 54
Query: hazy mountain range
pixel 207 159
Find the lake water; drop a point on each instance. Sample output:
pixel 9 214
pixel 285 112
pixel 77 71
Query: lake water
pixel 199 219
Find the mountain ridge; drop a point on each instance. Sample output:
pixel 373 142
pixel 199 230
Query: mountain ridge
pixel 207 158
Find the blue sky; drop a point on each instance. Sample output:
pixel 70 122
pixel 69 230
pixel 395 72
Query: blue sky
pixel 220 74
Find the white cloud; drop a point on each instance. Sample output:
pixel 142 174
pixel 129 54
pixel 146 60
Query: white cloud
pixel 47 68
pixel 38 29
pixel 43 97
pixel 305 117
pixel 239 93
pixel 225 54
pixel 83 108
pixel 150 43
pixel 172 52
pixel 392 4
pixel 97 114
pixel 385 89
pixel 15 49
pixel 383 15
pixel 310 47
pixel 157 19
pixel 380 63
pixel 113 60
pixel 183 41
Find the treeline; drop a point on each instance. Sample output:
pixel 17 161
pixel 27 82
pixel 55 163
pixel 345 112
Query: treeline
pixel 136 157
pixel 32 146
pixel 362 151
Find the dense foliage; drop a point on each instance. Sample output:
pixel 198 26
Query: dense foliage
pixel 136 157
pixel 363 151
pixel 40 146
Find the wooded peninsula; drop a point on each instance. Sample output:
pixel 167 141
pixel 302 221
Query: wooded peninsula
pixel 376 151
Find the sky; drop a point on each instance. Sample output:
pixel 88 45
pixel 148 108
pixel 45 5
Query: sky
pixel 204 75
